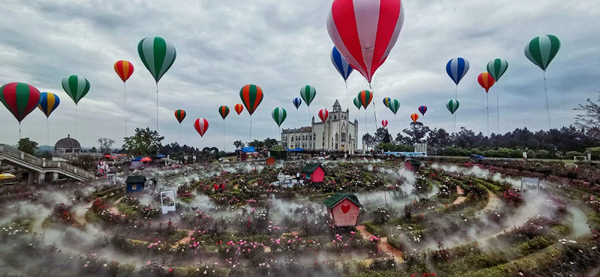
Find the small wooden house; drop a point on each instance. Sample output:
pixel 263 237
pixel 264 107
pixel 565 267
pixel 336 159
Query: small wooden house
pixel 271 161
pixel 135 183
pixel 343 209
pixel 313 173
pixel 411 164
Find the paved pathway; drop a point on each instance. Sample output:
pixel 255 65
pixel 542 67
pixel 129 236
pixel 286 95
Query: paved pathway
pixel 461 196
pixel 383 245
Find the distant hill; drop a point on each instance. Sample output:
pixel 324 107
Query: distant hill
pixel 44 148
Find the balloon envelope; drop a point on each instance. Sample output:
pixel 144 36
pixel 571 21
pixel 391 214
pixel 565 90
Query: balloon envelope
pixel 308 94
pixel 297 102
pixel 452 105
pixel 394 106
pixel 157 54
pixel 201 125
pixel 384 123
pixel 124 69
pixel 497 68
pixel 279 114
pixel 542 50
pixel 323 114
pixel 239 108
pixel 365 32
pixel 224 111
pixel 20 99
pixel 386 102
pixel 76 87
pixel 251 96
pixel 365 98
pixel 48 103
pixel 357 103
pixel 457 68
pixel 180 115
pixel 423 109
pixel 340 64
pixel 486 81
pixel 414 117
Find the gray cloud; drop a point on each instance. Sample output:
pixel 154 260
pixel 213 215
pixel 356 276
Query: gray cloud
pixel 282 46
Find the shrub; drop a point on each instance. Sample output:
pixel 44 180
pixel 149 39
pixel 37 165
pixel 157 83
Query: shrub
pixel 571 154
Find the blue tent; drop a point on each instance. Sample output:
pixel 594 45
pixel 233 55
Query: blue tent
pixel 137 159
pixel 296 150
pixel 248 150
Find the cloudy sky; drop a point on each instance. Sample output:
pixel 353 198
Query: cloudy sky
pixel 282 46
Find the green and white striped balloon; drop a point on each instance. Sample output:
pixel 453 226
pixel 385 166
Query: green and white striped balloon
pixel 279 114
pixel 452 105
pixel 541 50
pixel 157 54
pixel 76 87
pixel 308 93
pixel 394 106
pixel 497 68
pixel 357 103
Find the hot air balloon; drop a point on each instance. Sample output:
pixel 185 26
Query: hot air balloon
pixel 423 109
pixel 323 114
pixel 279 114
pixel 297 102
pixel 180 116
pixel 48 103
pixel 308 94
pixel 224 111
pixel 394 106
pixel 541 51
pixel 76 87
pixel 239 108
pixel 384 123
pixel 497 68
pixel 124 69
pixel 365 98
pixel 386 102
pixel 414 117
pixel 201 125
pixel 357 103
pixel 20 99
pixel 251 96
pixel 340 64
pixel 457 68
pixel 158 56
pixel 365 32
pixel 452 105
pixel 486 81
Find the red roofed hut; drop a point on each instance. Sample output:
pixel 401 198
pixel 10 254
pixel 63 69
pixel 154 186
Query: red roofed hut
pixel 314 173
pixel 343 208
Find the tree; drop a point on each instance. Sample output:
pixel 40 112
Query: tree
pixel 256 144
pixel 145 142
pixel 93 150
pixel 269 142
pixel 369 140
pixel 238 144
pixel 590 119
pixel 28 146
pixel 416 133
pixel 382 136
pixel 105 144
pixel 439 138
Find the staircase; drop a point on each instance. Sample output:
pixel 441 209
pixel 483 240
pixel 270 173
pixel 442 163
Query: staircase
pixel 41 169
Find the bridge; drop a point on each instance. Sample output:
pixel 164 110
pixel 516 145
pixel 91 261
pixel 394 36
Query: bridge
pixel 41 170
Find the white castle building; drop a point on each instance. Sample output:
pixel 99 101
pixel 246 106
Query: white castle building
pixel 337 133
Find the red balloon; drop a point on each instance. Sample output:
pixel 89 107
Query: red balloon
pixel 384 123
pixel 20 99
pixel 486 81
pixel 239 108
pixel 124 69
pixel 414 117
pixel 323 114
pixel 365 32
pixel 201 125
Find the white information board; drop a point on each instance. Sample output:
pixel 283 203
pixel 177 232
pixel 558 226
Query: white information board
pixel 167 201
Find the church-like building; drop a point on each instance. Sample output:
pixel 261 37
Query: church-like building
pixel 336 133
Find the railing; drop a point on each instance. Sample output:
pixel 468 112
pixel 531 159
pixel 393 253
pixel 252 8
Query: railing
pixel 10 151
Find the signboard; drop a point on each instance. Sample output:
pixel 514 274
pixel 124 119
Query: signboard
pixel 530 183
pixel 167 201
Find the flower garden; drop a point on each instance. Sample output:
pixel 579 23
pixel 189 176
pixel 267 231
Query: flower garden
pixel 447 219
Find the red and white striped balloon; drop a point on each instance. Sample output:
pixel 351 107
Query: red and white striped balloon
pixel 365 31
pixel 201 125
pixel 323 114
pixel 384 123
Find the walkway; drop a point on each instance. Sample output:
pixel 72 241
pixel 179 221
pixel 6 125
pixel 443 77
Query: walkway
pixel 493 202
pixel 383 245
pixel 461 196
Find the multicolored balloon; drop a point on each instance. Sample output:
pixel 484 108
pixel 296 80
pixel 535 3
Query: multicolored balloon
pixel 201 125
pixel 486 81
pixel 48 103
pixel 340 64
pixel 297 102
pixel 365 31
pixel 20 99
pixel 365 98
pixel 279 114
pixel 251 96
pixel 414 117
pixel 124 69
pixel 394 106
pixel 423 109
pixel 452 105
pixel 157 54
pixel 224 111
pixel 384 123
pixel 323 114
pixel 542 50
pixel 386 102
pixel 180 115
pixel 497 68
pixel 239 108
pixel 357 103
pixel 457 68
pixel 76 87
pixel 308 93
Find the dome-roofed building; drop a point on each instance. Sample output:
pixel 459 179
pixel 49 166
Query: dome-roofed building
pixel 67 145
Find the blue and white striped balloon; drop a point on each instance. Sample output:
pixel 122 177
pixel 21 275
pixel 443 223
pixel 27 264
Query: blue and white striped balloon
pixel 457 68
pixel 340 64
pixel 297 102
